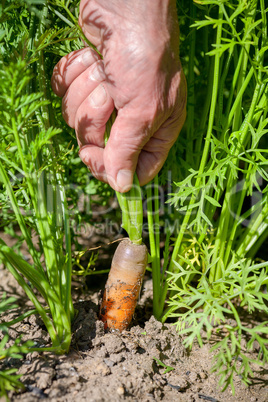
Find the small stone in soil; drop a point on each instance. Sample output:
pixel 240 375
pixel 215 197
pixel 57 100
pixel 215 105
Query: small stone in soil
pixel 194 377
pixel 36 391
pixel 203 375
pixel 177 387
pixel 82 379
pixel 120 390
pixel 207 398
pixel 109 362
pixel 102 369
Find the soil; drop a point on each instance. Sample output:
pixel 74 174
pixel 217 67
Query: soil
pixel 109 366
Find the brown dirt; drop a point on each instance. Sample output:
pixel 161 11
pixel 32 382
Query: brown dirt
pixel 119 367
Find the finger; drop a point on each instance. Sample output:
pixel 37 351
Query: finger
pixel 93 157
pixel 80 89
pixel 155 152
pixel 92 116
pixel 117 161
pixel 128 136
pixel 70 67
pixel 90 21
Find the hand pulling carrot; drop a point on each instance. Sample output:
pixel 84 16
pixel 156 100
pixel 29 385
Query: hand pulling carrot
pixel 123 285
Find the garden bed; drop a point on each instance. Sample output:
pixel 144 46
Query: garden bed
pixel 120 367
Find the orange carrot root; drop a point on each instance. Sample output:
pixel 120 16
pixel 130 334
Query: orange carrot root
pixel 123 286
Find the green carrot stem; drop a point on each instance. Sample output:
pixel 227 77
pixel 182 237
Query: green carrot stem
pixel 73 22
pixel 231 236
pixel 41 219
pixel 261 110
pixel 252 233
pixel 221 86
pixel 41 283
pixel 60 209
pixel 66 273
pixel 156 219
pixel 257 240
pixel 223 227
pixel 231 94
pixel 205 111
pixel 19 217
pixel 22 317
pixel 154 246
pixel 132 212
pixel 48 323
pixel 264 21
pixel 206 147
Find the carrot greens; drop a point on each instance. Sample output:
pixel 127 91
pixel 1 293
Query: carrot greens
pixel 132 211
pixel 220 192
pixel 30 176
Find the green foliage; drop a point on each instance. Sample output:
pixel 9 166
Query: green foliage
pixel 16 350
pixel 79 269
pixel 220 189
pixel 31 178
pixel 242 284
pixel 9 381
pixel 5 305
pixel 167 368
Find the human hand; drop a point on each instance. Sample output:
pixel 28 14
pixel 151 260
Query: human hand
pixel 140 75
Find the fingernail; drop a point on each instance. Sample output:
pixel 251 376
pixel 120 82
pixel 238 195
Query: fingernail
pixel 98 96
pixel 83 155
pixel 88 58
pixel 97 74
pixel 124 180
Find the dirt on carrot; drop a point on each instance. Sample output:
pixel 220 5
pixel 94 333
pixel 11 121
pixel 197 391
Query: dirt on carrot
pixel 123 285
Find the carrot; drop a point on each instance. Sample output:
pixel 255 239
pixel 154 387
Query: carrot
pixel 123 285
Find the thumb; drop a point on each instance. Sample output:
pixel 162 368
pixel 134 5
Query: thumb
pixel 122 150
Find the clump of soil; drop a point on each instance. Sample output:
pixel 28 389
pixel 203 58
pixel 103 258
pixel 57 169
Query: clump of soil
pixel 109 366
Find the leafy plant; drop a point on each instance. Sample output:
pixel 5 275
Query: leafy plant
pixel 221 189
